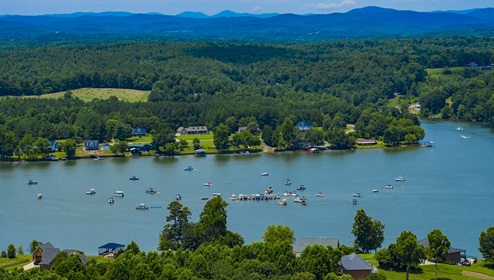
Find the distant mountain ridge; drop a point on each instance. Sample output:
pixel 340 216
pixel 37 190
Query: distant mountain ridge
pixel 357 23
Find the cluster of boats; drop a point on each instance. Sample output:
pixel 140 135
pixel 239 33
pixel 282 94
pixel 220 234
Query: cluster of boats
pixel 387 187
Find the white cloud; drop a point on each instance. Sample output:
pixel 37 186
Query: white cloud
pixel 257 9
pixel 344 3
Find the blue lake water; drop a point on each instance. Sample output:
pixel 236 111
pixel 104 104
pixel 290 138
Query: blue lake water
pixel 449 186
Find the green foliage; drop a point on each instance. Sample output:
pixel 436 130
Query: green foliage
pixel 33 245
pixel 438 246
pixel 369 234
pixel 486 244
pixel 172 234
pixel 406 253
pixel 278 233
pixel 11 251
pixel 3 254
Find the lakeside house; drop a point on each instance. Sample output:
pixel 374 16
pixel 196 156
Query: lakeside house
pixel 54 146
pixel 305 242
pixel 138 131
pixel 454 254
pixel 355 266
pixel 91 145
pixel 137 148
pixel 364 142
pixel 110 249
pixel 304 125
pixel 45 254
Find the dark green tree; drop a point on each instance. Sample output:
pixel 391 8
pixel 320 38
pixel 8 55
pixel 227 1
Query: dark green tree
pixel 221 137
pixel 267 135
pixel 369 234
pixel 69 147
pixel 11 251
pixel 172 234
pixel 407 253
pixel 486 244
pixel 33 245
pixel 438 246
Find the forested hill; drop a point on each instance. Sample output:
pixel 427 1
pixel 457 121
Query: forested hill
pixel 359 23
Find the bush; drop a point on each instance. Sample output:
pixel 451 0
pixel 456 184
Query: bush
pixel 3 254
pixel 11 251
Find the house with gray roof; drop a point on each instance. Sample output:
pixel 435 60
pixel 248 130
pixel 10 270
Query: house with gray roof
pixel 45 254
pixel 355 266
pixel 305 242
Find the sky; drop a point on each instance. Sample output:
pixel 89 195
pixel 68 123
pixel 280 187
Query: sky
pixel 211 7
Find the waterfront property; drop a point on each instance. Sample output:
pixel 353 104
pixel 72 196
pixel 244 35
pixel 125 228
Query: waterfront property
pixel 355 266
pixel 304 125
pixel 454 254
pixel 110 249
pixel 193 130
pixel 138 131
pixel 91 145
pixel 45 254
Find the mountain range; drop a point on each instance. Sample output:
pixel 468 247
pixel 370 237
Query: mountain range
pixel 358 23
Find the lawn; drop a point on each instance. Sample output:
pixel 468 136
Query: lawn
pixel 17 262
pixel 88 94
pixel 439 72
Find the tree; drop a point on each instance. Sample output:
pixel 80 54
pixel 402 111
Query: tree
pixel 221 137
pixel 172 234
pixel 196 143
pixel 119 147
pixel 438 246
pixel 33 245
pixel 11 251
pixel 407 253
pixel 212 220
pixel 267 135
pixel 486 244
pixel 278 233
pixel 69 147
pixel 369 234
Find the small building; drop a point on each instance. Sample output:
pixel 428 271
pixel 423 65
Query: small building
pixel 304 125
pixel 45 254
pixel 110 249
pixel 193 130
pixel 366 142
pixel 355 266
pixel 91 145
pixel 305 242
pixel 454 254
pixel 241 129
pixel 472 65
pixel 54 146
pixel 138 131
pixel 105 147
pixel 140 147
pixel 200 152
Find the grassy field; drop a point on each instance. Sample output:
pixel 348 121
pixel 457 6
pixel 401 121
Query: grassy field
pixel 480 270
pixel 16 262
pixel 439 72
pixel 88 94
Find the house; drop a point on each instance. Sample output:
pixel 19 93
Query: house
pixel 454 254
pixel 110 249
pixel 138 148
pixel 105 147
pixel 472 65
pixel 193 130
pixel 200 152
pixel 305 242
pixel 54 146
pixel 304 125
pixel 366 142
pixel 45 254
pixel 91 145
pixel 138 131
pixel 355 266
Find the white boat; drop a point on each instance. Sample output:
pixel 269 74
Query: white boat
pixel 40 196
pixel 111 200
pixel 301 188
pixel 459 128
pixel 118 193
pixel 375 190
pixel 288 182
pixel 319 194
pixel 90 192
pixel 216 194
pixel 142 206
pixel 134 178
pixel 233 197
pixel 264 174
pixel 31 182
pixel 299 200
pixel 358 195
pixel 178 197
pixel 282 202
pixel 400 179
pixel 188 168
pixel 388 187
pixel 208 184
pixel 464 136
pixel 354 201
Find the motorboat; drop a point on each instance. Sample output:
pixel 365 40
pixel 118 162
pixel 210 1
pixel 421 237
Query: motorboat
pixel 464 136
pixel 142 206
pixel 134 178
pixel 299 199
pixel 39 196
pixel 188 168
pixel 319 194
pixel 118 194
pixel 264 174
pixel 388 187
pixel 31 182
pixel 269 190
pixel 204 198
pixel 178 197
pixel 354 201
pixel 208 184
pixel 375 190
pixel 358 195
pixel 288 182
pixel 111 200
pixel 151 191
pixel 400 179
pixel 282 202
pixel 459 128
pixel 216 194
pixel 301 188
pixel 233 197
pixel 91 192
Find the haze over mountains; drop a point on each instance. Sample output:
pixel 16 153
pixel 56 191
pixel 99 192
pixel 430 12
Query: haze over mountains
pixel 358 23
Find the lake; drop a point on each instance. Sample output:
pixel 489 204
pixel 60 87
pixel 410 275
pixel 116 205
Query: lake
pixel 449 187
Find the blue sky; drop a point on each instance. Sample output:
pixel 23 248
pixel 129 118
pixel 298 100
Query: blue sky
pixel 210 7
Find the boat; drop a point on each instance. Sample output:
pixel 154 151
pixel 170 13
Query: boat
pixel 358 195
pixel 142 206
pixel 31 182
pixel 178 197
pixel 282 202
pixel 188 168
pixel 269 190
pixel 151 191
pixel 111 200
pixel 388 187
pixel 400 179
pixel 301 188
pixel 354 201
pixel 118 193
pixel 204 198
pixel 299 200
pixel 313 150
pixel 39 196
pixel 134 178
pixel 90 192
pixel 208 184
pixel 216 194
pixel 375 190
pixel 319 194
pixel 459 128
pixel 464 136
pixel 304 203
pixel 233 197
pixel 288 182
pixel 264 174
